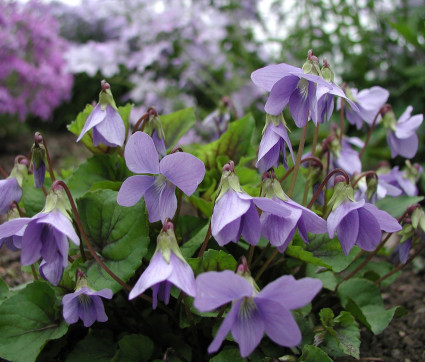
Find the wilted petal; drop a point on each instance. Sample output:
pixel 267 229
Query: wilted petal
pixel 225 327
pixel 133 189
pixel 157 271
pixel 279 324
pixel 386 221
pixel 183 170
pixel 214 289
pixel 96 116
pixel 248 327
pixel 291 293
pixel 140 154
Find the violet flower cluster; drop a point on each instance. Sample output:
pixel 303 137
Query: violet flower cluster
pixel 33 78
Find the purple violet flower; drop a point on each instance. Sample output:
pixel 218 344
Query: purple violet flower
pixel 254 312
pixel 289 85
pixel 234 212
pixel 107 124
pixel 85 304
pixel 166 268
pixel 275 137
pixel 281 217
pixel 44 235
pixel 359 223
pixel 344 156
pixel 9 191
pixel 368 102
pixel 401 251
pixel 401 135
pixel 404 180
pixel 375 191
pixel 177 169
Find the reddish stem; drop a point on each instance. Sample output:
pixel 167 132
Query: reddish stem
pixel 365 174
pixel 3 172
pixel 372 126
pixel 310 158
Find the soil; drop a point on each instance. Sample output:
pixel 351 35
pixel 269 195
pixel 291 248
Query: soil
pixel 403 340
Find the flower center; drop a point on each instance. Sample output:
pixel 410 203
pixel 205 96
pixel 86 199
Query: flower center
pixel 85 300
pixel 247 308
pixel 303 87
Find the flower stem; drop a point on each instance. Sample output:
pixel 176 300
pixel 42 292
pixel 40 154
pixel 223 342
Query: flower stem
pixel 205 243
pixel 86 239
pixel 325 181
pixel 365 174
pixel 34 272
pixel 266 264
pixel 310 166
pixel 310 158
pixel 298 160
pixel 49 162
pixel 372 126
pixel 3 172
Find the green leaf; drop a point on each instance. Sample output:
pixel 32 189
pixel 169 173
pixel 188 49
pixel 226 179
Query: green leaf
pixel 234 143
pixel 97 170
pixel 97 346
pixel 29 319
pixel 4 290
pixel 328 277
pixel 189 247
pixel 314 354
pixel 396 206
pixel 216 260
pixel 297 252
pixel 206 207
pixel 330 252
pixel 231 354
pixel 176 124
pixel 134 348
pixel 363 299
pixel 342 336
pixel 119 233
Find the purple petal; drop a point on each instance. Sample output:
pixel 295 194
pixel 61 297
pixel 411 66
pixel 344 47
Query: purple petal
pixel 406 147
pixel 104 293
pixel 370 101
pixel 269 150
pixel 99 308
pixel 291 293
pixel 280 94
pixel 348 231
pixel 283 133
pixel 275 207
pixel 214 289
pixel 369 230
pixel 403 250
pixel 268 76
pixel 279 324
pixel 159 143
pixel 231 232
pixel 313 223
pixel 61 223
pixel 70 308
pixel 112 128
pixel 31 243
pixel 96 116
pixel 225 327
pixel 248 327
pixel 299 104
pixel 53 271
pixel 183 170
pixel 386 221
pixel 87 313
pixel 182 276
pixel 133 189
pixel 140 154
pixel 251 227
pixel 229 208
pixel 276 229
pixel 339 213
pixel 161 200
pixel 9 191
pixel 13 226
pixel 157 271
pixel 409 127
pixel 168 202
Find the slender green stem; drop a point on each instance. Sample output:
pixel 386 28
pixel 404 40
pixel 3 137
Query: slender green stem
pixel 86 239
pixel 34 272
pixel 298 160
pixel 205 243
pixel 266 264
pixel 310 166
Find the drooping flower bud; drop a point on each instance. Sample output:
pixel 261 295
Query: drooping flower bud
pixel 38 160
